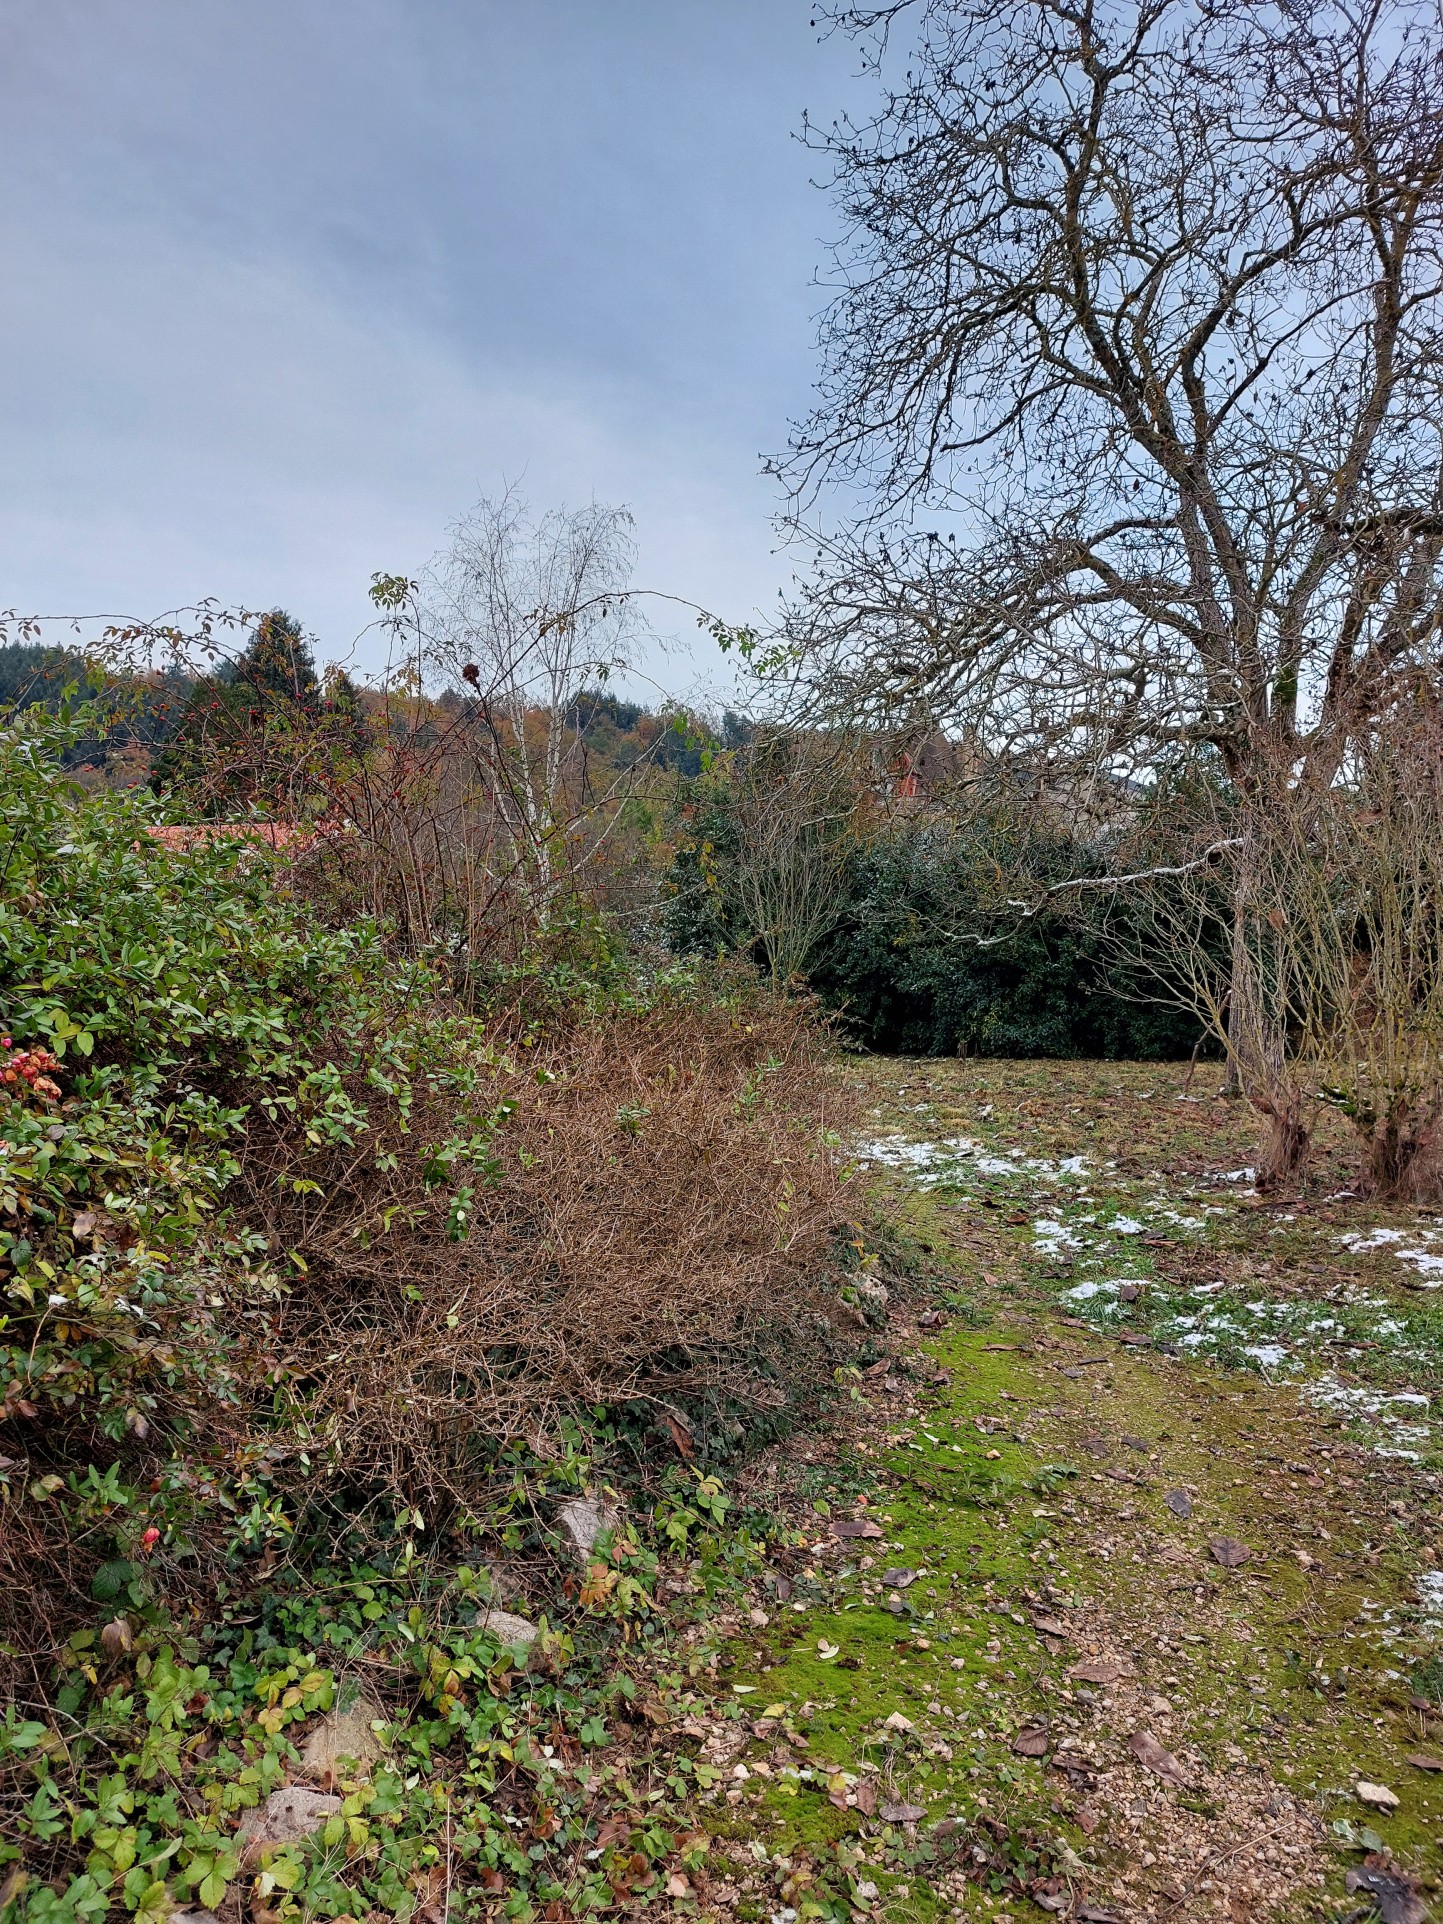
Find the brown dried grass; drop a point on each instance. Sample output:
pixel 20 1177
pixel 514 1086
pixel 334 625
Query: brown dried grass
pixel 660 1231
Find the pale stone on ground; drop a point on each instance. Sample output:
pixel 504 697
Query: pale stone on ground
pixel 510 1629
pixel 288 1815
pixel 584 1519
pixel 344 1733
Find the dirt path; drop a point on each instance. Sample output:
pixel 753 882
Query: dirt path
pixel 1111 1592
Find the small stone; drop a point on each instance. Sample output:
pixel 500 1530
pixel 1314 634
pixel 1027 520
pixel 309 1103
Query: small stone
pixel 288 1815
pixel 1378 1795
pixel 509 1628
pixel 344 1733
pixel 584 1520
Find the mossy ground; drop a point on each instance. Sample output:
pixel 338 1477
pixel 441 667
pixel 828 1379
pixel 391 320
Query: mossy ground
pixel 1020 1455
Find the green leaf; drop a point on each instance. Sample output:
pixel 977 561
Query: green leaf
pixel 110 1579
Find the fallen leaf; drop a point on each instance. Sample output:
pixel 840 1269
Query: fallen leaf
pixel 1179 1502
pixel 929 1319
pixel 677 1885
pixel 864 1528
pixel 1031 1741
pixel 1397 1897
pixel 1129 1293
pixel 1135 1443
pixel 1378 1795
pixel 1135 1339
pixel 1228 1551
pixel 902 1813
pixel 1087 1821
pixel 1098 1670
pixel 898 1722
pixel 996 1348
pixel 117 1639
pixel 1050 1627
pixel 826 1651
pixel 865 1796
pixel 1017 1217
pixel 1151 1755
pixel 1096 1914
pixel 679 1433
pixel 1420 1762
pixel 898 1577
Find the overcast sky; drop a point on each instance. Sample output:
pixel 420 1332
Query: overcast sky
pixel 291 282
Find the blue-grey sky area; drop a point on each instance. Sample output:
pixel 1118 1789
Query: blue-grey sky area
pixel 290 283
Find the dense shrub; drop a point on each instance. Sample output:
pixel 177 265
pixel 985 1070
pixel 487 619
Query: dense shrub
pixel 904 966
pixel 285 1231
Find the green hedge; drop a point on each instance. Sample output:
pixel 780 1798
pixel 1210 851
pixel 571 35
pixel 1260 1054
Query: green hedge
pixel 900 966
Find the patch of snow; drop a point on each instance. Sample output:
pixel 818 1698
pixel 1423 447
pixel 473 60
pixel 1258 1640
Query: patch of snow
pixel 1271 1355
pixel 936 1162
pixel 1426 1261
pixel 1430 1598
pixel 1240 1175
pixel 1127 1226
pixel 1051 1238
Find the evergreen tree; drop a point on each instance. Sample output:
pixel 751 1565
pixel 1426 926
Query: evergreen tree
pixel 278 664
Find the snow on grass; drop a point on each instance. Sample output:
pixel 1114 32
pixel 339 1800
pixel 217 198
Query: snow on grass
pixel 954 1157
pixel 1427 1262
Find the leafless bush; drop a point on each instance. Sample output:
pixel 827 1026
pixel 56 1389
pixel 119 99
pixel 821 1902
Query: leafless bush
pixel 796 795
pixel 1303 924
pixel 1357 918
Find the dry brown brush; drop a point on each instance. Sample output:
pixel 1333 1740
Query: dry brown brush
pixel 658 1229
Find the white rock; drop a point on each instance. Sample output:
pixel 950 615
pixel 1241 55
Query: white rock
pixel 1378 1795
pixel 584 1519
pixel 344 1733
pixel 509 1628
pixel 288 1815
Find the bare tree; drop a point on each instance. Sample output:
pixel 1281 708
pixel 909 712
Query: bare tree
pixel 531 613
pixel 1141 302
pixel 796 797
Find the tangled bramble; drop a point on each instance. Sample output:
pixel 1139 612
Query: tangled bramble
pixel 28 1071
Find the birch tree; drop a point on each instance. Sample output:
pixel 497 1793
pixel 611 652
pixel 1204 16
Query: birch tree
pixel 529 613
